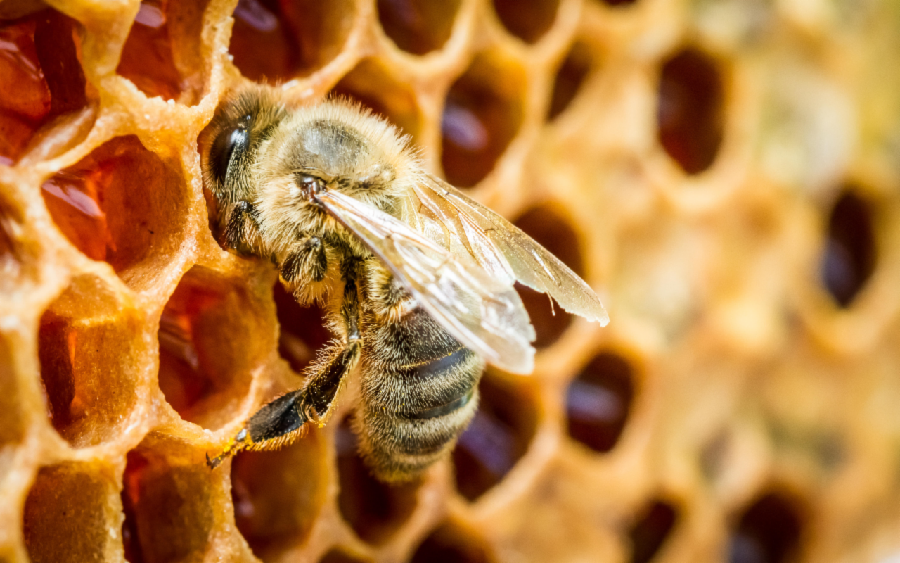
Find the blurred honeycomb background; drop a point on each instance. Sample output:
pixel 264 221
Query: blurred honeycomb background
pixel 725 173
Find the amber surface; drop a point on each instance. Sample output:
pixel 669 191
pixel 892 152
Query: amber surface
pixel 147 55
pixel 724 173
pixel 40 77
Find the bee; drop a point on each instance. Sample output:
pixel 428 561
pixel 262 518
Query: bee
pixel 416 279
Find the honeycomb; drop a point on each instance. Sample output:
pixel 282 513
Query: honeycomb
pixel 725 173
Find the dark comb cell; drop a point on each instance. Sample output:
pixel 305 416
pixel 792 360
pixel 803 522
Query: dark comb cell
pixel 528 20
pixel 450 543
pixel 767 532
pixel 374 510
pixel 690 110
pixel 497 438
pixel 849 256
pixel 276 40
pixel 482 114
pixel 569 78
pixel 650 531
pixel 417 26
pixel 598 402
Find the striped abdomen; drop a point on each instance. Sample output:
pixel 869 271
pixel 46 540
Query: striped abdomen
pixel 419 392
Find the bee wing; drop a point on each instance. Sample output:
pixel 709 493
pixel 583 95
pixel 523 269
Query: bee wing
pixel 505 250
pixel 484 313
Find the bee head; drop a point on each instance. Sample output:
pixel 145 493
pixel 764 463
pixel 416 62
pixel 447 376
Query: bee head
pixel 326 154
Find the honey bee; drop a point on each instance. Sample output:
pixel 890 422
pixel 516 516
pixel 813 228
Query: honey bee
pixel 416 279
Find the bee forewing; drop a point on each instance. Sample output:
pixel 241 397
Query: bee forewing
pixel 499 246
pixel 480 310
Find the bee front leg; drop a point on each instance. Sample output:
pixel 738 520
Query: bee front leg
pixel 306 262
pixel 241 228
pixel 284 419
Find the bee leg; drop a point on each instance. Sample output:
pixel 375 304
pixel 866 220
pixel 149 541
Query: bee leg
pixel 240 228
pixel 284 419
pixel 308 262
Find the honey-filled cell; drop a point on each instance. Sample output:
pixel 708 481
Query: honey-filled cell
pixel 147 58
pixel 40 77
pixel 212 333
pixel 121 204
pixel 483 111
pixel 276 40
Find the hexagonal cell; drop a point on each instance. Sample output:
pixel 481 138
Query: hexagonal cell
pixel 274 40
pixel 374 510
pixel 277 495
pixel 69 514
pixel 548 227
pixel 650 531
pixel 768 531
pixel 598 402
pixel 212 334
pixel 168 507
pixel 482 114
pixel 569 78
pixel 528 20
pixel 121 204
pixel 147 54
pixel 88 363
pixel 374 87
pixel 162 47
pixel 40 77
pixel 339 556
pixel 302 330
pixel 690 111
pixel 417 26
pixel 849 256
pixel 497 438
pixel 451 542
pixel 12 427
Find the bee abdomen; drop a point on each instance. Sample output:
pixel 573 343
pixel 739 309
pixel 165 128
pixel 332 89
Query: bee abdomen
pixel 413 411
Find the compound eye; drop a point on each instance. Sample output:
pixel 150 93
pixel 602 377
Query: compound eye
pixel 228 143
pixel 311 185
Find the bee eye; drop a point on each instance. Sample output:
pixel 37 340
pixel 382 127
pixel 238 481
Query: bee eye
pixel 311 184
pixel 223 148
